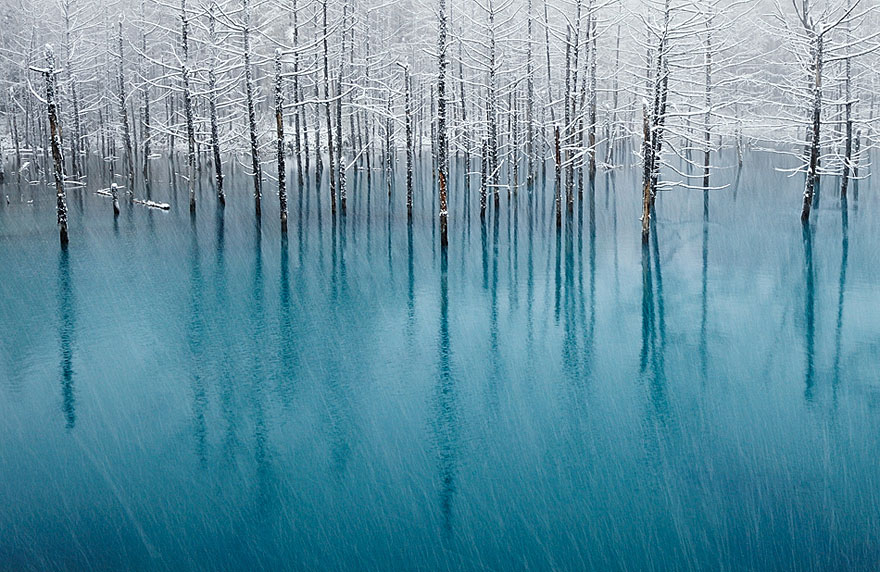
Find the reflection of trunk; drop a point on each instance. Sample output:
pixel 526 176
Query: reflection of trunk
pixel 55 140
pixel 196 340
pixel 446 428
pixel 648 330
pixel 816 117
pixel 844 258
pixel 65 333
pixel 809 314
pixel 652 356
pixel 704 345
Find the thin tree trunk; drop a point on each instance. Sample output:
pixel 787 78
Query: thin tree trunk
pixel 330 150
pixel 188 108
pixel 252 117
pixel 848 145
pixel 816 117
pixel 442 144
pixel 279 129
pixel 708 127
pixel 297 141
pixel 407 89
pixel 340 162
pixel 145 128
pixel 212 106
pixel 55 138
pixel 123 112
pixel 530 100
pixel 647 149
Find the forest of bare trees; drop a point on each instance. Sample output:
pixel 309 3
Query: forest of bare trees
pixel 489 95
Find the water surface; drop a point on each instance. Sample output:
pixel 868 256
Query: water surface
pixel 199 392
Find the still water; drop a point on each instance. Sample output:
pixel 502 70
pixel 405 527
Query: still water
pixel 200 393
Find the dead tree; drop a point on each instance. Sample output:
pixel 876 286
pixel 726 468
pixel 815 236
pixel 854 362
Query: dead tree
pixel 252 114
pixel 279 131
pixel 340 162
pixel 327 114
pixel 442 143
pixel 408 113
pixel 817 45
pixel 297 97
pixel 145 112
pixel 212 104
pixel 188 107
pixel 123 114
pixel 55 140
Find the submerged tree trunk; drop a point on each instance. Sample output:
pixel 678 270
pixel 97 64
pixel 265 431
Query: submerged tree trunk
pixel 114 194
pixel 55 140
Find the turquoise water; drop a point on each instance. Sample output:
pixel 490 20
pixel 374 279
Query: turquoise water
pixel 200 393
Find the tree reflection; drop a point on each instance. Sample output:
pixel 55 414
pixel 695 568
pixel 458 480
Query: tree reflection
pixel 809 315
pixel 446 424
pixel 66 327
pixel 844 258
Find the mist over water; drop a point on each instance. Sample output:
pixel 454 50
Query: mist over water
pixel 202 392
